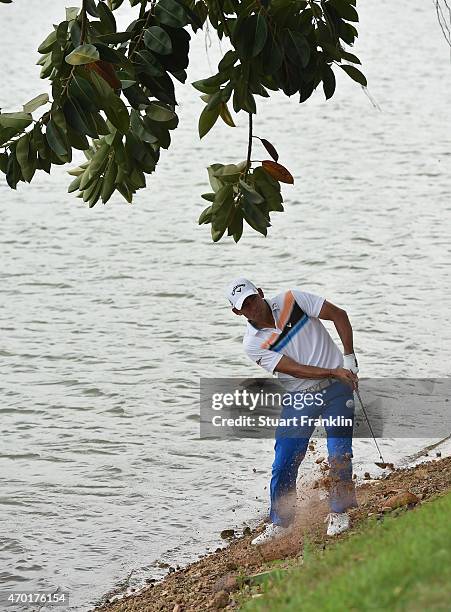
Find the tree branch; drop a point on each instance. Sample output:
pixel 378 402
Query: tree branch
pixel 249 147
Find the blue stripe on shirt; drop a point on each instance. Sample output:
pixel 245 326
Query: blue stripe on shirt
pixel 299 325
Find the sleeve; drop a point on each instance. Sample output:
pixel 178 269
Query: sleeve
pixel 311 304
pixel 265 358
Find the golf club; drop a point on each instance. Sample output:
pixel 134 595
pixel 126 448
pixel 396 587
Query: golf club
pixel 382 464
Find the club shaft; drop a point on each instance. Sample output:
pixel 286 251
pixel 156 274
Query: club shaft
pixel 369 425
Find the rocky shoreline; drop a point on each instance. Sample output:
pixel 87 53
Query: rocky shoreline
pixel 213 582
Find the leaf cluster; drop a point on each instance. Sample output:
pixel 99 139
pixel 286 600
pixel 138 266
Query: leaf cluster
pixel 113 94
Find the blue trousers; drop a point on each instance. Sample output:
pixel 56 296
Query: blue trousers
pixel 291 445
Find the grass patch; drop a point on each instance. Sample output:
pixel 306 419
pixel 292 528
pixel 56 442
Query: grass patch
pixel 401 563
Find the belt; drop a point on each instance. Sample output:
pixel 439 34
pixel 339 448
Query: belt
pixel 321 385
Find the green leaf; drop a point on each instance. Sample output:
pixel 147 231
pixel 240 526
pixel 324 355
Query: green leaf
pixel 109 179
pixel 83 54
pixel 76 140
pixel 212 84
pixel 150 63
pixel 227 170
pixel 207 120
pixel 347 32
pixel 3 162
pixel 40 142
pixel 115 38
pixel 24 159
pixel 13 172
pixel 157 111
pixel 61 35
pixel 297 47
pixel 215 183
pixel 269 188
pixel 81 89
pixel 350 57
pixel 117 113
pixel 171 13
pixel 236 225
pixel 222 208
pixel 106 16
pixel 272 56
pixel 355 74
pixel 48 43
pixel 79 118
pixel 16 121
pixel 71 13
pixel 55 139
pixel 345 9
pixel 156 39
pixel 139 129
pixel 250 36
pixel 35 103
pixel 328 81
pixel 249 193
pixel 254 217
pixel 75 184
pixel 205 216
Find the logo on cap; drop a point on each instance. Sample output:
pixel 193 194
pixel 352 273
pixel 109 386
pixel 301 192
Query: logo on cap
pixel 237 288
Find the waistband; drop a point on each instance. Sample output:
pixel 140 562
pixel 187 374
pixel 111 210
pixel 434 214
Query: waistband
pixel 323 384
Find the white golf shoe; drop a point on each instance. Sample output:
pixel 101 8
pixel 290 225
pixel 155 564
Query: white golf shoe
pixel 338 522
pixel 272 532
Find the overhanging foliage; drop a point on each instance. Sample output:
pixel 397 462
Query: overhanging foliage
pixel 113 94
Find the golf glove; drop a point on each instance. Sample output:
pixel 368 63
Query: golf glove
pixel 350 363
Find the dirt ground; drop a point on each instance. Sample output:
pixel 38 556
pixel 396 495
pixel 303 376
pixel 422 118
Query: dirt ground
pixel 210 583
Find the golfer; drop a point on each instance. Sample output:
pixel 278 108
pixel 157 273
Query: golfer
pixel 284 335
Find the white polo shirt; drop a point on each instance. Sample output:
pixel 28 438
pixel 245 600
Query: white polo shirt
pixel 299 334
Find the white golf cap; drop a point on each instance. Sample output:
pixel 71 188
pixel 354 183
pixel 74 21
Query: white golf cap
pixel 238 290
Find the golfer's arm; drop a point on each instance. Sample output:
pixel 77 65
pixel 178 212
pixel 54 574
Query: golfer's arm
pixel 298 370
pixel 330 312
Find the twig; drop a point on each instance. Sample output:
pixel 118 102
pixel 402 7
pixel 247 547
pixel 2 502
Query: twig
pixel 140 37
pixel 249 147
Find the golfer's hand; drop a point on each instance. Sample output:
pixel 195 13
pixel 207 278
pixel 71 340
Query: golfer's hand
pixel 350 363
pixel 346 376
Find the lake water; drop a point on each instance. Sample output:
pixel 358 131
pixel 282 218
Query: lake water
pixel 110 316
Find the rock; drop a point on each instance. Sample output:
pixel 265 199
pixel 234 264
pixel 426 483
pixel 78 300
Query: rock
pixel 219 601
pixel 254 470
pixel 438 454
pixel 367 476
pixel 227 534
pixel 320 460
pixel 227 583
pixel 171 569
pixel 247 531
pixel 231 565
pixel 403 498
pixel 354 477
pixel 311 447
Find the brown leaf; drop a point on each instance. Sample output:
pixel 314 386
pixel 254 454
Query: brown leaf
pixel 106 71
pixel 278 172
pixel 270 148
